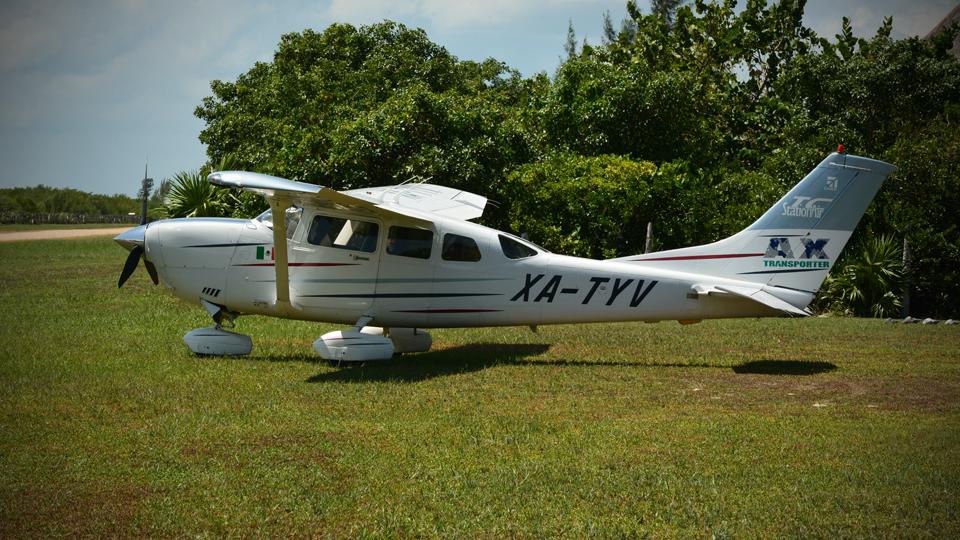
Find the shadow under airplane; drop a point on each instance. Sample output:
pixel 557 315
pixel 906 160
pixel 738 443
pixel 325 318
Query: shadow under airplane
pixel 475 357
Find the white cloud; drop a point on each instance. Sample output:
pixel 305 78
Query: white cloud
pixel 447 14
pixel 443 15
pixel 909 18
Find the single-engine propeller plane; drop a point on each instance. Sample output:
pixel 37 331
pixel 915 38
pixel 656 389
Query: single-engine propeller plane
pixel 393 260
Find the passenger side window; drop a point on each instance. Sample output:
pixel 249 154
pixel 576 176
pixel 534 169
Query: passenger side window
pixel 460 248
pixel 515 250
pixel 409 242
pixel 328 231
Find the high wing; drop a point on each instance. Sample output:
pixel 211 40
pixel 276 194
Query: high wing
pixel 437 200
pixel 416 203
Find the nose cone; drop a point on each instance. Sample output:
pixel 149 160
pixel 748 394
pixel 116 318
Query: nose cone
pixel 132 237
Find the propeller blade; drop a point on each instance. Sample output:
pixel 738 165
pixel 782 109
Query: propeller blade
pixel 152 270
pixel 128 267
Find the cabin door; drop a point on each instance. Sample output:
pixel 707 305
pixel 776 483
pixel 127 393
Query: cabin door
pixel 334 260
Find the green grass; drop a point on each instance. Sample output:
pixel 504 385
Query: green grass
pixel 752 428
pixel 18 227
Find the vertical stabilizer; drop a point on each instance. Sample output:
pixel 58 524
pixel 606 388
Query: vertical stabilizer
pixel 795 243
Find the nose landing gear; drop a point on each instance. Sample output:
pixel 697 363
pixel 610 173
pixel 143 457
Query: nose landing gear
pixel 214 340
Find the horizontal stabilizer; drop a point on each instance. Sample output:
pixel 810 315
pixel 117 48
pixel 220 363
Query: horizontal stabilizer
pixel 752 293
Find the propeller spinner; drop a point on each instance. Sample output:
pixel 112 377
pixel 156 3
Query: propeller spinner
pixel 133 240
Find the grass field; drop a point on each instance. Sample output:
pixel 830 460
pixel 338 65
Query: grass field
pixel 784 427
pixel 54 226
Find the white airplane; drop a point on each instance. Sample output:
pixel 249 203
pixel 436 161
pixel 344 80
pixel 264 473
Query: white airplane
pixel 392 260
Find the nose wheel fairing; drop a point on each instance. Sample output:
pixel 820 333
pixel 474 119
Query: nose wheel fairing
pixel 215 341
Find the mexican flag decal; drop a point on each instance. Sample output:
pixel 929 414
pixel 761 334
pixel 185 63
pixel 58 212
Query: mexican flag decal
pixel 263 252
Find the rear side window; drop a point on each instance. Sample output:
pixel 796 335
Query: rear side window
pixel 409 242
pixel 460 248
pixel 342 233
pixel 515 250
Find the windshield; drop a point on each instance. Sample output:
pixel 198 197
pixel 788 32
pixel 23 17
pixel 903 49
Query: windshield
pixel 266 218
pixel 292 215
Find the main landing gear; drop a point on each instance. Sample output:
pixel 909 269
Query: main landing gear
pixel 357 344
pixel 362 342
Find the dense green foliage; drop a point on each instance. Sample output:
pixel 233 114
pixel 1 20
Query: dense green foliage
pixel 44 199
pixel 376 105
pixel 865 282
pixel 610 195
pixel 599 206
pixel 720 108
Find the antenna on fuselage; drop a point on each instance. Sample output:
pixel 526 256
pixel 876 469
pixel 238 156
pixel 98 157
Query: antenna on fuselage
pixel 415 179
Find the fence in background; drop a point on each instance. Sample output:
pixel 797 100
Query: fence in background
pixel 33 218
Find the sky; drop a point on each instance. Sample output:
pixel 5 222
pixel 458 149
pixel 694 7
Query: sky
pixel 91 91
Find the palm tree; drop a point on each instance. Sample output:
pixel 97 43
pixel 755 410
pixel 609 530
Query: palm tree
pixel 867 285
pixel 191 195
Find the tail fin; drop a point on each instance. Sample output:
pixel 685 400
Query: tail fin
pixel 796 242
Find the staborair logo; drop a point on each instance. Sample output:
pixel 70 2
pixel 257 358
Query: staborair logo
pixel 806 207
pixel 779 254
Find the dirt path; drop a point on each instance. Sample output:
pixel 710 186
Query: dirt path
pixel 52 234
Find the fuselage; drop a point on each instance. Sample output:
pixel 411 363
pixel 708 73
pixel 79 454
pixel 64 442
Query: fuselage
pixel 447 273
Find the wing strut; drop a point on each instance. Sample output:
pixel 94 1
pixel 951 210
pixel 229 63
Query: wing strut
pixel 278 207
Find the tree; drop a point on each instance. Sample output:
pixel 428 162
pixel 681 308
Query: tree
pixel 377 105
pixel 584 206
pixel 191 195
pixel 920 204
pixel 596 108
pixel 867 283
pixel 609 34
pixel 665 9
pixel 570 46
pixel 898 101
pixel 65 201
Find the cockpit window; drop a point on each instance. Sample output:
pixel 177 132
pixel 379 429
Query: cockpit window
pixel 291 214
pixel 329 231
pixel 514 249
